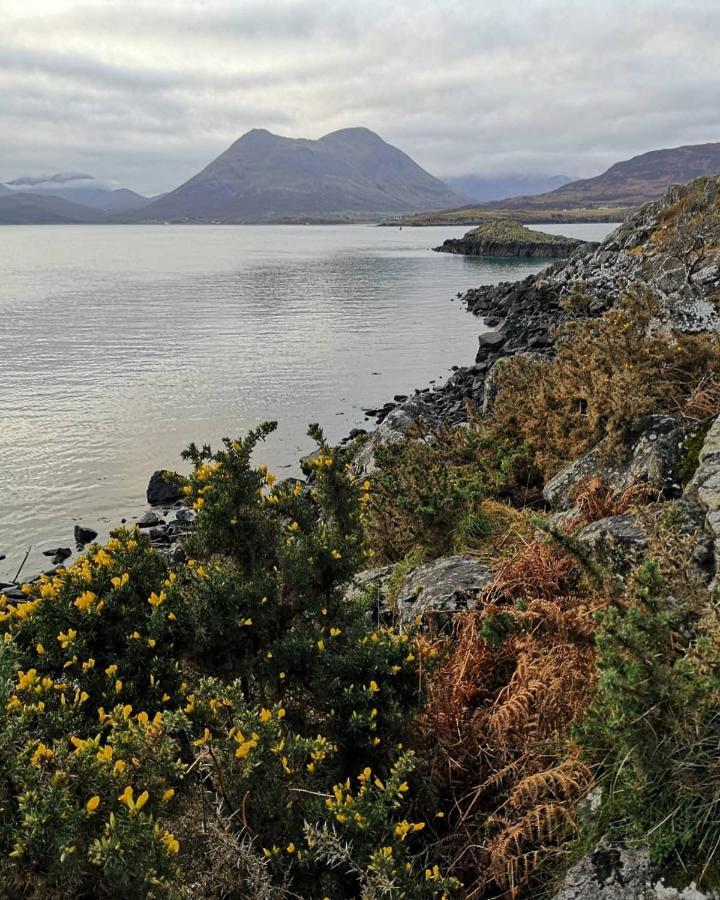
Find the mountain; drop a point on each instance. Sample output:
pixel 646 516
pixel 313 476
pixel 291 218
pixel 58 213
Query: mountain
pixel 84 190
pixel 106 201
pixel 493 187
pixel 347 175
pixel 21 208
pixel 629 183
pixel 4 190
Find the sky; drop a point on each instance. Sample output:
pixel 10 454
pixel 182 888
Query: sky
pixel 143 94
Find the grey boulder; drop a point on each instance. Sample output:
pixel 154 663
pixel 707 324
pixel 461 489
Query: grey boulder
pixel 654 460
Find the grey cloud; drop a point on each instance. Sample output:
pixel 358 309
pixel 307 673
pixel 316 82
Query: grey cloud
pixel 145 93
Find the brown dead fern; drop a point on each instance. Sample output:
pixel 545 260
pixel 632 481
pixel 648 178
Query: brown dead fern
pixel 501 710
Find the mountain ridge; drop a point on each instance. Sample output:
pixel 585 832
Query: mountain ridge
pixel 630 182
pixel 263 177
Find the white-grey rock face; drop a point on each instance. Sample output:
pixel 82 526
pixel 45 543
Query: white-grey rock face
pixel 653 461
pixel 438 589
pixel 705 485
pixel 614 873
pixel 669 246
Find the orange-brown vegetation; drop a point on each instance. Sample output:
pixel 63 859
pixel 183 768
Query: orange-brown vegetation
pixel 521 672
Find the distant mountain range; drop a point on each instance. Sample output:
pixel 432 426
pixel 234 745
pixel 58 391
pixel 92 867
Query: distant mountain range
pixel 349 175
pixel 483 188
pixel 22 208
pixel 628 183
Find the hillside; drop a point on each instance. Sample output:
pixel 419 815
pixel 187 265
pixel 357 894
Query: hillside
pixel 81 189
pixel 628 183
pixel 37 209
pixel 262 177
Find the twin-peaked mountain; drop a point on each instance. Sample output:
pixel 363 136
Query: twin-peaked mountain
pixel 349 174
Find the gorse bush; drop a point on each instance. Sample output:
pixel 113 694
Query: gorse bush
pixel 653 731
pixel 428 491
pixel 244 674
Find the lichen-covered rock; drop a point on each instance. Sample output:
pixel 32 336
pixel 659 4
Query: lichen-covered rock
pixel 370 581
pixel 617 542
pixel 438 589
pixel 393 429
pixel 615 873
pixel 705 487
pixel 670 247
pixel 443 587
pixel 654 461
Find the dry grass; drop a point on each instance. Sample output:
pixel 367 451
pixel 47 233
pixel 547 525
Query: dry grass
pixel 594 499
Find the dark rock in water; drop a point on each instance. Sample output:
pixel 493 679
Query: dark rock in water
pixel 2 557
pixel 161 489
pixel 59 554
pixel 400 398
pixel 149 519
pixel 84 535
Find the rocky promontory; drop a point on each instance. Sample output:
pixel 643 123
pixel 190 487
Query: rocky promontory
pixel 667 249
pixel 509 238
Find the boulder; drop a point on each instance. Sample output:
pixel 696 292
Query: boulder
pixel 392 430
pixel 373 581
pixel 619 873
pixel 437 589
pixel 617 542
pixel 84 535
pixel 445 586
pixel 162 490
pixel 149 520
pixel 654 460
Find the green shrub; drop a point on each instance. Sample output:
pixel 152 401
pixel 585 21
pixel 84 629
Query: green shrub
pixel 428 491
pixel 244 674
pixel 653 729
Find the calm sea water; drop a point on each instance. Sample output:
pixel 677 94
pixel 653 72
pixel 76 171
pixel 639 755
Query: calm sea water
pixel 120 345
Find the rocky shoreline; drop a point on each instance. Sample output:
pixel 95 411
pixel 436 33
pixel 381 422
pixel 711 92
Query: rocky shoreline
pixel 520 317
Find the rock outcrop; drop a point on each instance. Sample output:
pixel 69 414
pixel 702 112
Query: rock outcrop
pixel 615 873
pixel 670 247
pixel 653 462
pixel 509 238
pixel 432 591
pixel 705 488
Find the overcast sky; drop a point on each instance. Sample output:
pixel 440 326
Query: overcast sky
pixel 145 93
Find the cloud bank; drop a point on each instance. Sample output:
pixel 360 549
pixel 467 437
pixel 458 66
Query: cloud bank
pixel 144 94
